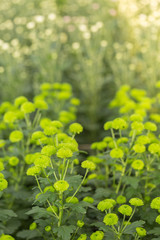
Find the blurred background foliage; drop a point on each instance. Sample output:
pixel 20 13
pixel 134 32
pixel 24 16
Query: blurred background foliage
pixel 96 46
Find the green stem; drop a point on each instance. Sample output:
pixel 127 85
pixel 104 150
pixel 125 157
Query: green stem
pixel 65 172
pixel 79 185
pixel 113 136
pixel 60 209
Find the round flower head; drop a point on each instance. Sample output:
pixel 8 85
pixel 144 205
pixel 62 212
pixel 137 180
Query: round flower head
pixel 6 237
pixel 155 204
pixel 10 117
pixel 158 219
pixel 98 235
pixel 47 228
pixel 80 223
pixel 150 126
pixel 16 136
pixel 50 130
pixel 154 148
pixel 125 210
pixel 143 139
pixel 33 171
pixel 137 126
pixel 2 143
pixel 121 199
pixel 20 100
pixel 41 104
pixel 73 200
pixel 52 208
pixel 3 184
pixel 99 145
pixel 82 237
pixel 141 231
pixel 75 128
pixel 106 204
pixel 1 166
pixel 33 226
pixel 1 175
pixel 110 219
pixel 48 150
pixel 88 199
pixel 136 202
pixel 42 161
pixel 88 164
pixel 136 117
pixel 139 148
pixel 137 164
pixel 61 186
pixel 75 101
pixel 29 158
pixel 37 135
pixel 64 153
pixel 108 125
pixel 45 122
pixel 13 161
pixel 116 153
pixel 119 123
pixel 56 124
pixel 27 107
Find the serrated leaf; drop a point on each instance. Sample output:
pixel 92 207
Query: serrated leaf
pixel 155 231
pixel 131 229
pixel 39 212
pixel 7 214
pixel 64 232
pixel 131 181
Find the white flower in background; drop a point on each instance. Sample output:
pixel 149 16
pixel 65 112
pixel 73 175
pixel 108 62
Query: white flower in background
pixel 82 28
pixel 30 25
pixel 39 18
pixel 48 32
pixel 76 45
pixel 104 43
pixel 1 69
pixel 5 46
pixel 86 35
pixel 52 16
pixel 15 42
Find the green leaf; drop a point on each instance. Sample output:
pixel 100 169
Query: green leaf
pixel 39 212
pixel 6 214
pixel 27 234
pixel 64 232
pixel 131 181
pixel 155 231
pixel 131 229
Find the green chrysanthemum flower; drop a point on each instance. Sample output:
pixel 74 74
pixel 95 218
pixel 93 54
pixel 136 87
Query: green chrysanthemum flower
pixel 121 199
pixel 108 125
pixel 33 226
pixel 136 117
pixel 98 235
pixel 150 126
pixel 82 237
pixel 28 107
pixel 20 100
pixel 2 143
pixel 88 199
pixel 37 135
pixel 52 208
pixel 116 153
pixel 33 171
pixel 48 150
pixel 48 228
pixel 119 123
pixel 99 145
pixel 139 148
pixel 16 136
pixel 29 159
pixel 61 185
pixel 106 204
pixel 88 164
pixel 13 161
pixel 3 184
pixel 80 223
pixel 6 237
pixel 137 126
pixel 41 104
pixel 136 202
pixel 110 219
pixel 64 153
pixel 141 231
pixel 42 161
pixel 137 164
pixel 154 148
pixel 125 210
pixel 71 199
pixel 75 128
pixel 50 130
pixel 10 117
pixel 1 166
pixel 158 219
pixel 155 204
pixel 143 139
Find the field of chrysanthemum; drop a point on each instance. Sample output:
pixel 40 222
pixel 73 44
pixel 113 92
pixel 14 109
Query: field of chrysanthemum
pixel 79 120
